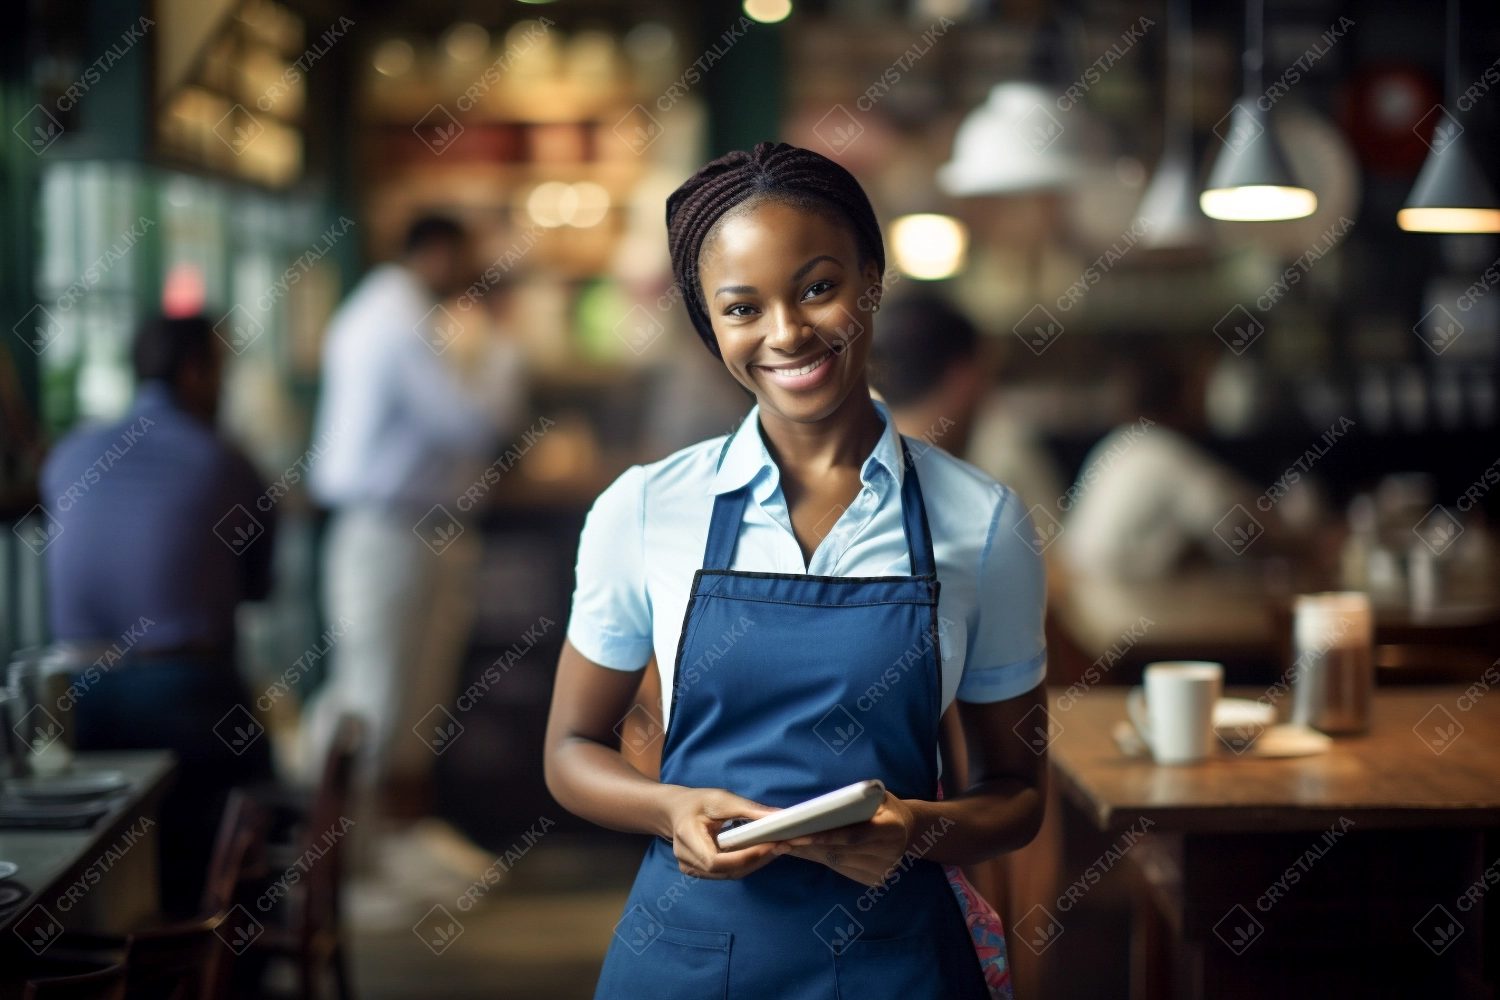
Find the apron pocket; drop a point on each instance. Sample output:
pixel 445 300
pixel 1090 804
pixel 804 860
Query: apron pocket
pixel 906 967
pixel 678 964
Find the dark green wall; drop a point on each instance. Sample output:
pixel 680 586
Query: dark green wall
pixel 745 89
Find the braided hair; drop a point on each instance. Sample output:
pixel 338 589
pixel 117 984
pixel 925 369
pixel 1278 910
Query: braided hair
pixel 772 170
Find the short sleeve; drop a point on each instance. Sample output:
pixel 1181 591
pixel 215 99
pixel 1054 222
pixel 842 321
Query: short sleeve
pixel 1008 656
pixel 610 623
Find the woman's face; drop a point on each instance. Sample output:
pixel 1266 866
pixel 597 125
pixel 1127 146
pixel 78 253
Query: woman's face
pixel 791 306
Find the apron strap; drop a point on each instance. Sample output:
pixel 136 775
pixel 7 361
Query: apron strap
pixel 914 518
pixel 729 512
pixel 724 529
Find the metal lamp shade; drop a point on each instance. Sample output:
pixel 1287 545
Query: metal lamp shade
pixel 1451 195
pixel 1250 181
pixel 1171 204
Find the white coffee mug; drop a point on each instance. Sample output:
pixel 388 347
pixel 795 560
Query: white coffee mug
pixel 1175 712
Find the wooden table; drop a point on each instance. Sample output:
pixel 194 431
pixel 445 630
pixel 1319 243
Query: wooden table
pixel 110 868
pixel 1359 872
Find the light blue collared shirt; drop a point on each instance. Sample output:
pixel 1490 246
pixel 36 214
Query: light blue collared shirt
pixel 644 540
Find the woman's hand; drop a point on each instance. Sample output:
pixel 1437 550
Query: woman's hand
pixel 865 852
pixel 697 816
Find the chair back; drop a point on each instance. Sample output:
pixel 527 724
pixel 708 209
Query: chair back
pixel 105 984
pixel 327 821
pixel 170 963
pixel 240 845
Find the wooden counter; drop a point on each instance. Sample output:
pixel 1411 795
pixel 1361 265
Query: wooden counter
pixel 1392 777
pixel 1368 871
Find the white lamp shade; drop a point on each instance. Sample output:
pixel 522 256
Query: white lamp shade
pixel 1015 141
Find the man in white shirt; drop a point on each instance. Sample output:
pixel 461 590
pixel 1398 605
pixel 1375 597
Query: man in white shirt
pixel 406 430
pixel 1146 495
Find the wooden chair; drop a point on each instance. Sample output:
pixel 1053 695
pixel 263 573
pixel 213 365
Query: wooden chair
pixel 163 963
pixel 313 934
pixel 239 850
pixel 239 853
pixel 104 984
pixel 171 963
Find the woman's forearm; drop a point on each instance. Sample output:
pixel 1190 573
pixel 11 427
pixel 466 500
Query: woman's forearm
pixel 989 819
pixel 594 781
pixel 586 773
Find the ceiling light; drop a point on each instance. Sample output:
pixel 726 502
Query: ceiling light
pixel 591 205
pixel 552 204
pixel 393 57
pixel 556 203
pixel 1258 203
pixel 1250 181
pixel 929 247
pixel 1451 194
pixel 1449 220
pixel 466 42
pixel 1171 202
pixel 768 11
pixel 1009 144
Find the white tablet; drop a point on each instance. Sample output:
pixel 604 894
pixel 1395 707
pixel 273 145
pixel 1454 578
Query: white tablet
pixel 851 804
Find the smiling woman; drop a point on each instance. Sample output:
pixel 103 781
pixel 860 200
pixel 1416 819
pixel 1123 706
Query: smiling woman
pixel 788 321
pixel 811 556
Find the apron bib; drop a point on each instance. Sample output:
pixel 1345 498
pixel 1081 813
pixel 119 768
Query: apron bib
pixel 771 673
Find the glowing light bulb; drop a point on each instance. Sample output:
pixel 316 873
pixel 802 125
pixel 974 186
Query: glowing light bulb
pixel 546 205
pixel 393 57
pixel 1258 203
pixel 591 203
pixel 930 247
pixel 1449 220
pixel 466 42
pixel 768 11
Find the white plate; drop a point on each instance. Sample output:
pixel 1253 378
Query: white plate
pixel 1274 741
pixel 1242 712
pixel 1239 722
pixel 68 787
pixel 1291 740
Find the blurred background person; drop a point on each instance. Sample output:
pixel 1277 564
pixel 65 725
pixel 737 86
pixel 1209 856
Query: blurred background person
pixel 927 365
pixel 408 424
pixel 138 591
pixel 1147 495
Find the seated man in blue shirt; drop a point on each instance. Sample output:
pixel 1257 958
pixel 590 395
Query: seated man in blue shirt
pixel 160 539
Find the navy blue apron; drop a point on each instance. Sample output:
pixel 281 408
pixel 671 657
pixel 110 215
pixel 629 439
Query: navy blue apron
pixel 772 670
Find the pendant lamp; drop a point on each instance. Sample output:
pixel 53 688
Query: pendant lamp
pixel 1010 144
pixel 1171 200
pixel 1251 181
pixel 1451 194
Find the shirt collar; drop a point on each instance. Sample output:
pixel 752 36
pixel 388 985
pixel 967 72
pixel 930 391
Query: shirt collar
pixel 748 458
